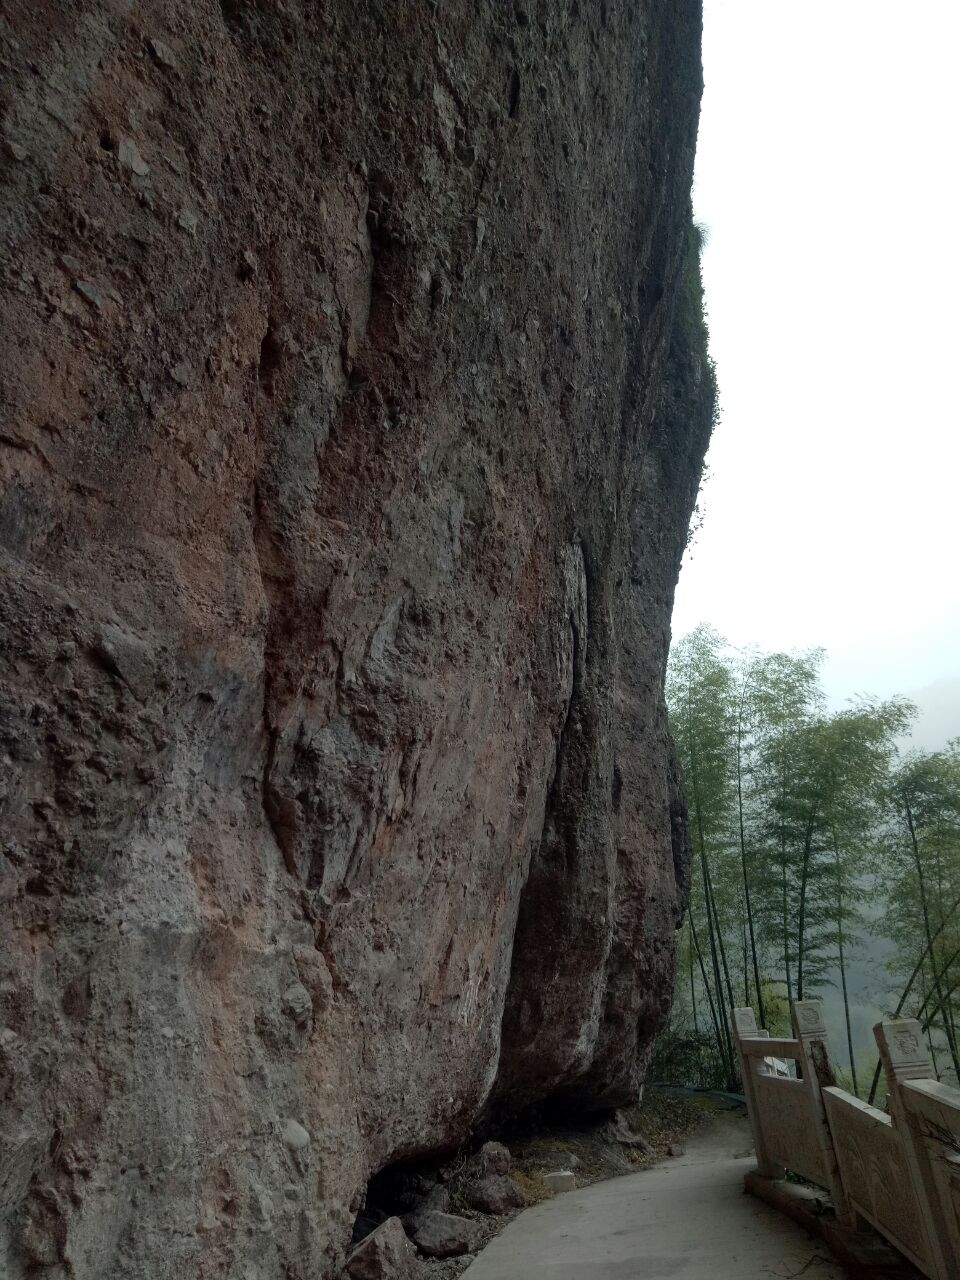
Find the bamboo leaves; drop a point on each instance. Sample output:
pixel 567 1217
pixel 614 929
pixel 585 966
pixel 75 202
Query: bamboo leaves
pixel 788 804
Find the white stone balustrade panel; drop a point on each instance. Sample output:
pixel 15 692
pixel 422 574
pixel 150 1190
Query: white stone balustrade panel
pixel 790 1122
pixel 936 1108
pixel 874 1171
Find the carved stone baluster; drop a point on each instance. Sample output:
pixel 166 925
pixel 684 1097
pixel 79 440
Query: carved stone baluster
pixel 904 1057
pixel 745 1024
pixel 818 1073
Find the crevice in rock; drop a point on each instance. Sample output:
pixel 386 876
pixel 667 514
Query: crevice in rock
pixel 513 94
pixel 271 356
pixel 399 1189
pixel 279 819
pixel 280 815
pixel 554 945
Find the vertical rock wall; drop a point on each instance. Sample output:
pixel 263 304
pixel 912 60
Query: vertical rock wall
pixel 352 408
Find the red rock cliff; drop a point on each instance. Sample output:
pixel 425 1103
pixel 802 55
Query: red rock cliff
pixel 353 408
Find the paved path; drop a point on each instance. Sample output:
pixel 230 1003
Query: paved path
pixel 685 1219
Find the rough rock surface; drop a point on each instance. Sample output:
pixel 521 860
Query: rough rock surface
pixel 495 1193
pixel 352 408
pixel 385 1254
pixel 622 1128
pixel 494 1157
pixel 445 1235
pixel 436 1198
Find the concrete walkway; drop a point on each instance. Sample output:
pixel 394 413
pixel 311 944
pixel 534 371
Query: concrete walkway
pixel 687 1219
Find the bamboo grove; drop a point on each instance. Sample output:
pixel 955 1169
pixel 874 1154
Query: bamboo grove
pixel 815 838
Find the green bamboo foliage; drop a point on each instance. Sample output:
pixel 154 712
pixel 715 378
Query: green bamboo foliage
pixel 701 692
pixel 800 817
pixel 921 883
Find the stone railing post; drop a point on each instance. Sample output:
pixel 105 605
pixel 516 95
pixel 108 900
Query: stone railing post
pixel 818 1074
pixel 905 1058
pixel 745 1024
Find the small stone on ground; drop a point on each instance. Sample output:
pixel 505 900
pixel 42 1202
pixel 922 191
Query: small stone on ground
pixel 561 1180
pixel 496 1193
pixel 495 1158
pixel 445 1235
pixel 385 1254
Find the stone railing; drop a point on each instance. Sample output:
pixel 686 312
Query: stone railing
pixel 898 1173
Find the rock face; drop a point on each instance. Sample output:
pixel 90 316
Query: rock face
pixel 353 408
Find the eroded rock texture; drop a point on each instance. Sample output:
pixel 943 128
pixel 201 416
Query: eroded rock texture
pixel 353 407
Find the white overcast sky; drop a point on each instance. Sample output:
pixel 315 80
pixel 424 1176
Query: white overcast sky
pixel 827 174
